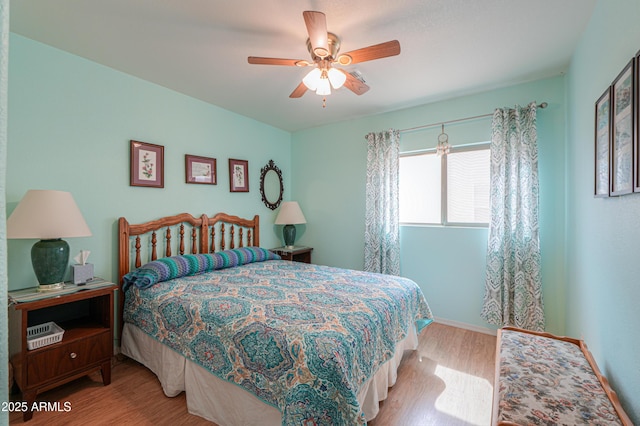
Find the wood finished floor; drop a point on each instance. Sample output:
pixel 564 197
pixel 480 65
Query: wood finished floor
pixel 448 381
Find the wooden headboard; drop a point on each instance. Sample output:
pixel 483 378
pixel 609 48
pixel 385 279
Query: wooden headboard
pixel 177 235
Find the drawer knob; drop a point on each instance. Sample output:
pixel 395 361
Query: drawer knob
pixel 73 355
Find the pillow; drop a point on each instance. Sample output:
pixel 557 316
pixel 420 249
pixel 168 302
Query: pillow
pixel 192 264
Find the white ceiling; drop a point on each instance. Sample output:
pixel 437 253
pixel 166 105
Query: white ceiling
pixel 200 47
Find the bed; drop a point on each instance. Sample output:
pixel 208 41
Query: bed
pixel 253 339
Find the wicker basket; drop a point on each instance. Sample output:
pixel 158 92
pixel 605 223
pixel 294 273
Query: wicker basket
pixel 43 335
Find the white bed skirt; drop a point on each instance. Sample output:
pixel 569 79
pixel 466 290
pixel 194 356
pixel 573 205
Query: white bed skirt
pixel 228 404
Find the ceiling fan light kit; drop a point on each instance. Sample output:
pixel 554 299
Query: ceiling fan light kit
pixel 324 47
pixel 322 80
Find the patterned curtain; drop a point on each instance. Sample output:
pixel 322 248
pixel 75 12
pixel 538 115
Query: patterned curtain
pixel 382 225
pixel 513 289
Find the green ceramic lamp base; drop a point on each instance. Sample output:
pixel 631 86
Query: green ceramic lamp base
pixel 289 234
pixel 50 259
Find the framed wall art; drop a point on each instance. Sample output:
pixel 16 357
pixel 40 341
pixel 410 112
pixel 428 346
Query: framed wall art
pixel 622 132
pixel 200 170
pixel 636 163
pixel 238 175
pixel 147 164
pixel 602 144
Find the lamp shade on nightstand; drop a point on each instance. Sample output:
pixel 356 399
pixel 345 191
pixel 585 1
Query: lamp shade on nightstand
pixel 48 216
pixel 290 215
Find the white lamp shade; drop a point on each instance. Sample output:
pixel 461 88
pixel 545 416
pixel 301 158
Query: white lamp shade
pixel 47 214
pixel 290 214
pixel 336 77
pixel 312 79
pixel 324 88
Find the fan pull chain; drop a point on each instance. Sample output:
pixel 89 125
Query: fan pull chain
pixel 324 102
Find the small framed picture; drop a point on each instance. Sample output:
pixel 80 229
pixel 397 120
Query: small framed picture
pixel 238 175
pixel 622 131
pixel 602 144
pixel 200 170
pixel 636 163
pixel 147 164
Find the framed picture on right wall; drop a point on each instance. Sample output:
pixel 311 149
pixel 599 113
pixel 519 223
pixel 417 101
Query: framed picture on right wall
pixel 623 131
pixel 636 158
pixel 602 144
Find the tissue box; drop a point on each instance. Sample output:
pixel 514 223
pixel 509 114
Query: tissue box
pixel 80 274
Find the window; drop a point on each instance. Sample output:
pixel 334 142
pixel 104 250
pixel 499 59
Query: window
pixel 448 190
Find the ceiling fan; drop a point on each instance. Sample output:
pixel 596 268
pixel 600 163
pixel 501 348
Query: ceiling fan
pixel 324 47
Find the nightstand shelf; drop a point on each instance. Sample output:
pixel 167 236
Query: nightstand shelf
pixel 295 254
pixel 86 316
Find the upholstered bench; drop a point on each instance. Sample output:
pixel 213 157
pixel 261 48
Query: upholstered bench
pixel 542 379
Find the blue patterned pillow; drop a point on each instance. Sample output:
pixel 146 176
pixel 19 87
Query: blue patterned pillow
pixel 192 264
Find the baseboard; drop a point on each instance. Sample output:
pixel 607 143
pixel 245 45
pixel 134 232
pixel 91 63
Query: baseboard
pixel 465 326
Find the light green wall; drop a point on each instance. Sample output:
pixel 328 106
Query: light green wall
pixel 70 122
pixel 329 166
pixel 603 235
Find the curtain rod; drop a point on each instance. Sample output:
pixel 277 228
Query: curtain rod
pixel 542 105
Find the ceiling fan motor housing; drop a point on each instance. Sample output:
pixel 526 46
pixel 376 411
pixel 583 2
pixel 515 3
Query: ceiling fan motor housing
pixel 333 41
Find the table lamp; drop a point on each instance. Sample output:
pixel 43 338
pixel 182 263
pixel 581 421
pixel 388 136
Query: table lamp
pixel 49 216
pixel 289 216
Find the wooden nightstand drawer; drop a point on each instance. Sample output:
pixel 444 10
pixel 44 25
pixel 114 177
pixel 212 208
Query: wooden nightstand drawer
pixel 63 359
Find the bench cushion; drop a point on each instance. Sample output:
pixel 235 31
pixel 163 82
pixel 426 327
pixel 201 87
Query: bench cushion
pixel 544 381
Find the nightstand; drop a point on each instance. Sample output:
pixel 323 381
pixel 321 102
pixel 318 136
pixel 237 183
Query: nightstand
pixel 85 313
pixel 296 254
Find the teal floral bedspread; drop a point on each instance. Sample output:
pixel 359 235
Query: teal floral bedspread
pixel 303 338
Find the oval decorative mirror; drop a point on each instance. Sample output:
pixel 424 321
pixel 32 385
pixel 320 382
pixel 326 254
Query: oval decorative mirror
pixel 271 187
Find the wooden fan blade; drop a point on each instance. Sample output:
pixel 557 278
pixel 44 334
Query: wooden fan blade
pixel 277 61
pixel 377 51
pixel 298 91
pixel 355 85
pixel 316 23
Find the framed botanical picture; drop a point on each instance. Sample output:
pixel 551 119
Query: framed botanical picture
pixel 200 170
pixel 238 175
pixel 147 164
pixel 602 144
pixel 622 131
pixel 636 163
